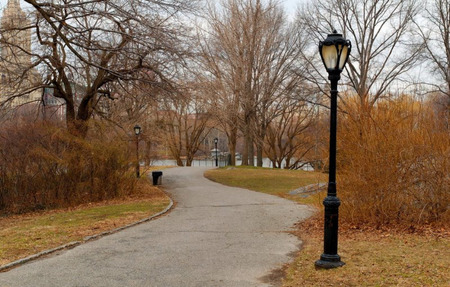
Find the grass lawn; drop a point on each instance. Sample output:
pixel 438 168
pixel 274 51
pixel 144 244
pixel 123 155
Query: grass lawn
pixel 372 257
pixel 24 235
pixel 272 181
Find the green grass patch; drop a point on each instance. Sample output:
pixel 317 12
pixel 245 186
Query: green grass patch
pixel 272 181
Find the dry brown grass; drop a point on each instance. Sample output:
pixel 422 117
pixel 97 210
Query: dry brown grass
pixel 27 234
pixel 394 255
pixel 390 257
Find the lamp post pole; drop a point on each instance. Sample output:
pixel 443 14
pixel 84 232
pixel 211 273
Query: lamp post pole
pixel 137 132
pixel 216 140
pixel 334 52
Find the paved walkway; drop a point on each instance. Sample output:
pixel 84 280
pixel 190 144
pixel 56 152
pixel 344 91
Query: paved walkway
pixel 215 236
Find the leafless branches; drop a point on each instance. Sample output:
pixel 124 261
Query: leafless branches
pixel 84 47
pixel 250 54
pixel 435 31
pixel 383 41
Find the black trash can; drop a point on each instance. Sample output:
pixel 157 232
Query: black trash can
pixel 157 177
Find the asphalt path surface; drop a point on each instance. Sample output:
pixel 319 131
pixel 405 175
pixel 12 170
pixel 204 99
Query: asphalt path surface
pixel 215 236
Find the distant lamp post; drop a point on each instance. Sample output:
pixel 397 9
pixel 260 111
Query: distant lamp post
pixel 216 140
pixel 137 132
pixel 334 51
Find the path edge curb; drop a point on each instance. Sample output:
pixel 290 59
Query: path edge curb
pixel 86 239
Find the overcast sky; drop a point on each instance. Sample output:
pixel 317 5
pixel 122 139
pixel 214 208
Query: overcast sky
pixel 290 5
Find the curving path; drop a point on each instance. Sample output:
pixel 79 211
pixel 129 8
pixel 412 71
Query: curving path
pixel 215 236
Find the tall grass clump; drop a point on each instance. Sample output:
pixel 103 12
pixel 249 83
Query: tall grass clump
pixel 394 164
pixel 42 166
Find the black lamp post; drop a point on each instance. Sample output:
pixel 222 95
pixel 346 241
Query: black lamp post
pixel 216 140
pixel 334 51
pixel 137 132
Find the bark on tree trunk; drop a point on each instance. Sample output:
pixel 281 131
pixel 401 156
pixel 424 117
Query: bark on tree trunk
pixel 259 152
pixel 251 152
pixel 274 163
pixel 245 152
pixel 148 151
pixel 259 156
pixel 232 147
pixel 189 159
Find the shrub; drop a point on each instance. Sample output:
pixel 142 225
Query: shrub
pixel 43 166
pixel 394 165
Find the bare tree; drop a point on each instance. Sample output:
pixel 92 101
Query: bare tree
pixel 383 46
pixel 86 46
pixel 287 137
pixel 250 53
pixel 224 107
pixel 184 123
pixel 435 30
pixel 275 79
pixel 223 59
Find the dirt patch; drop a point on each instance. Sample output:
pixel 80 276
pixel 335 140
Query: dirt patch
pixel 275 277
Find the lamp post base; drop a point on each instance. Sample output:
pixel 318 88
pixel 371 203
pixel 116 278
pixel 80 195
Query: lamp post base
pixel 328 261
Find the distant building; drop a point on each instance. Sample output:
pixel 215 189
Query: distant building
pixel 17 75
pixel 53 108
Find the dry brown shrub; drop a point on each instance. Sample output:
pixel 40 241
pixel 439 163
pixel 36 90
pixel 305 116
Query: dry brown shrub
pixel 42 166
pixel 394 165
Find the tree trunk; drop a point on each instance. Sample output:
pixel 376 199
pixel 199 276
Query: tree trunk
pixel 259 154
pixel 260 147
pixel 148 152
pixel 232 146
pixel 245 152
pixel 288 163
pixel 84 113
pixel 179 161
pixel 189 159
pixel 251 152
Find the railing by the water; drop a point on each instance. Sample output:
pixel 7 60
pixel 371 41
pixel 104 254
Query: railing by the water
pixel 211 162
pixel 196 162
